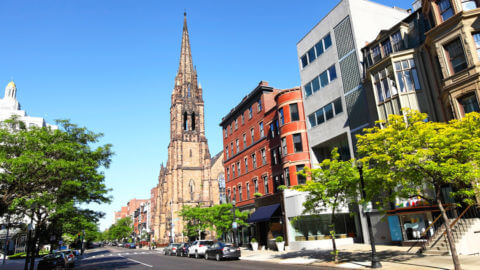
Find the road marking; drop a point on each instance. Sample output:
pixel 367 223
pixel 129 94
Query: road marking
pixel 148 265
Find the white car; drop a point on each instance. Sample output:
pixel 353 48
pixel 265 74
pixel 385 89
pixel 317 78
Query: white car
pixel 198 248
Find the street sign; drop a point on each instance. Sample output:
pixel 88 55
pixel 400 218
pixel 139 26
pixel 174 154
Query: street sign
pixel 234 225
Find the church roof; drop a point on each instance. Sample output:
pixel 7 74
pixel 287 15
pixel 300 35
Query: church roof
pixel 214 158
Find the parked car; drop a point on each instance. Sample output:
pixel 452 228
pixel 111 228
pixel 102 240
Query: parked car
pixel 198 248
pixel 221 251
pixel 70 255
pixel 52 261
pixel 121 244
pixel 182 250
pixel 171 249
pixel 132 245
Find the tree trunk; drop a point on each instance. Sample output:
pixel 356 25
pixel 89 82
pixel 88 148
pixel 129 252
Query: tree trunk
pixel 334 244
pixel 451 242
pixel 34 249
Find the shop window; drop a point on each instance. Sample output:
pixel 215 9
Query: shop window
pixel 294 112
pixel 445 9
pixel 300 178
pixel 318 227
pixel 469 103
pixel 455 56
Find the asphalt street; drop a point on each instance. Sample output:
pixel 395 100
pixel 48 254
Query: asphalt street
pixel 120 258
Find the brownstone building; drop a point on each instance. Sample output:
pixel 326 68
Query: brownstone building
pixel 265 144
pixel 190 176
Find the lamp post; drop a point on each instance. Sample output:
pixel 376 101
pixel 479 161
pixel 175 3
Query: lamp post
pixel 375 262
pixel 234 224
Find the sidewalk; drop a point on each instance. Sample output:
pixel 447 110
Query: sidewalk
pixel 357 256
pixel 15 264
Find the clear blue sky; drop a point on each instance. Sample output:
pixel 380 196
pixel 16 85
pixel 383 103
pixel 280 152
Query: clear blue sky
pixel 110 66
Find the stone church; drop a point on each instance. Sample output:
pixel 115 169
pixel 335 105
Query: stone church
pixel 191 175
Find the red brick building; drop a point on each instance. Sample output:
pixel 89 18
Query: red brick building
pixel 265 144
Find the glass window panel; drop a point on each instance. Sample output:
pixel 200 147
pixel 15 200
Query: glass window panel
pixel 469 104
pixel 311 55
pixel 312 120
pixel 324 78
pixel 445 9
pixel 320 116
pixel 332 72
pixel 282 120
pixel 315 84
pixel 338 106
pixel 301 179
pixel 319 48
pixel 405 64
pixel 400 82
pixel 415 79
pixel 408 80
pixel 304 60
pixel 398 66
pixel 393 88
pixel 468 5
pixel 386 88
pixel 294 112
pixel 297 142
pixel 308 89
pixel 327 40
pixel 387 47
pixel 328 111
pixel 397 41
pixel 476 38
pixel 378 86
pixel 412 63
pixel 376 53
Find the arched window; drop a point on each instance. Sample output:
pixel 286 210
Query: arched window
pixel 193 121
pixel 192 189
pixel 185 121
pixel 189 93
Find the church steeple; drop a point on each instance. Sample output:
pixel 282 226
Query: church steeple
pixel 186 65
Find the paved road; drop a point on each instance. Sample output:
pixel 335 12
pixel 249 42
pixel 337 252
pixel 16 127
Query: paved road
pixel 120 258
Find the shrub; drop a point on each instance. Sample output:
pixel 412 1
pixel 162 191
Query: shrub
pixel 282 187
pixel 279 239
pixel 258 194
pixel 253 240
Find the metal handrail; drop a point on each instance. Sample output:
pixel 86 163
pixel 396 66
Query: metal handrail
pixel 456 220
pixel 426 231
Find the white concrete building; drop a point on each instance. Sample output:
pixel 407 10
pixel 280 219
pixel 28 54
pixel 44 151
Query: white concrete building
pixel 336 104
pixel 9 106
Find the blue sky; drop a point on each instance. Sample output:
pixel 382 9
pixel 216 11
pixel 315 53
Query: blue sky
pixel 110 66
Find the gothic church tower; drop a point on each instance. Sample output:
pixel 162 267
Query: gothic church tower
pixel 186 179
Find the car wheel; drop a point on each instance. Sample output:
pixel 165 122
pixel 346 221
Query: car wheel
pixel 217 257
pixel 196 255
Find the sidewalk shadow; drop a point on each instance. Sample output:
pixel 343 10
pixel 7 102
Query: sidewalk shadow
pixel 95 253
pixel 400 257
pixel 105 263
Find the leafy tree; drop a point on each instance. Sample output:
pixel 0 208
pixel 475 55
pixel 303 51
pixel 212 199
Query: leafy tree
pixel 220 218
pixel 122 229
pixel 406 154
pixel 195 219
pixel 43 169
pixel 332 185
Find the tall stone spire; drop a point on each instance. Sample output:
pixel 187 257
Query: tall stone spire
pixel 185 68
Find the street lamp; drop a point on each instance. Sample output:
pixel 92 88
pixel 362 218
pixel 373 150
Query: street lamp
pixel 234 224
pixel 375 262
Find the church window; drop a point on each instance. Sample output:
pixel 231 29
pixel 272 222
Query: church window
pixel 265 183
pixel 193 121
pixel 192 189
pixel 185 121
pixel 254 161
pixel 255 183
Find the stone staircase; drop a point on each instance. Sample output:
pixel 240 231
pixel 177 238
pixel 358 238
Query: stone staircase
pixel 438 243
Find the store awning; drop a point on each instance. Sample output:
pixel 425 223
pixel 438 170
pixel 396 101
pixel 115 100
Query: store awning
pixel 263 213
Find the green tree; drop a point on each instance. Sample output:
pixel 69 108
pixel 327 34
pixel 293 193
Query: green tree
pixel 407 153
pixel 195 219
pixel 43 169
pixel 220 218
pixel 122 229
pixel 332 185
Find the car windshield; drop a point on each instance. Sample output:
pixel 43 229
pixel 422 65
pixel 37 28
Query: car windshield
pixel 176 245
pixel 206 243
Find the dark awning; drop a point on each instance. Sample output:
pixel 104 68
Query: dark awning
pixel 263 213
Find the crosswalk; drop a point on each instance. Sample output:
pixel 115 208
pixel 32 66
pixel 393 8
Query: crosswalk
pixel 120 254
